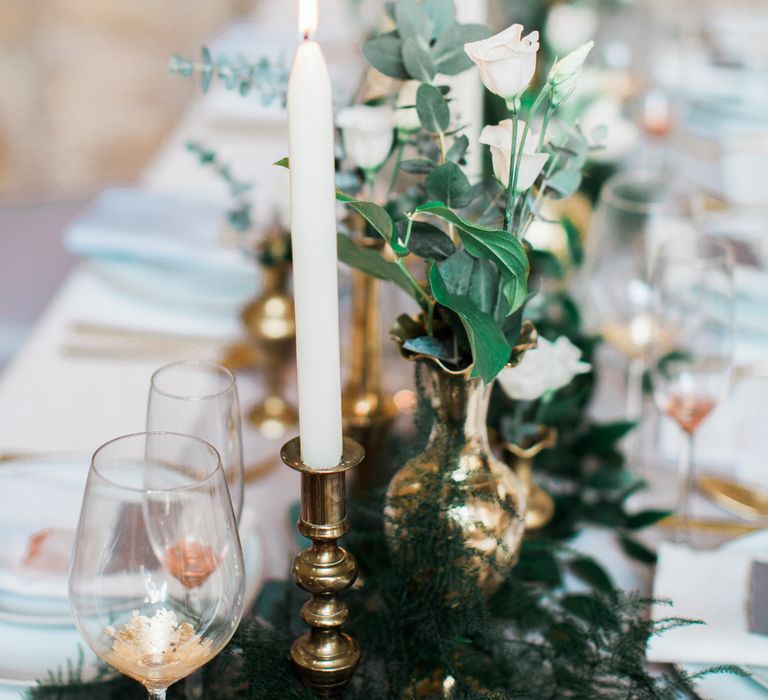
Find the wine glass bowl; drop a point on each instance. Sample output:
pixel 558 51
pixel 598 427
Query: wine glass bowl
pixel 200 398
pixel 156 584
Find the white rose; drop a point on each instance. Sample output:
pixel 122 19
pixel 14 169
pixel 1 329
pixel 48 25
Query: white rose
pixel 406 116
pixel 368 134
pixel 568 26
pixel 507 61
pixel 564 75
pixel 499 138
pixel 550 366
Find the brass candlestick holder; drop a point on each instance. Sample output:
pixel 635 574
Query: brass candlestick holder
pixel 325 657
pixel 541 507
pixel 269 322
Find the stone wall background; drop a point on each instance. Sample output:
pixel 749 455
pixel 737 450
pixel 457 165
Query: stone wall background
pixel 85 96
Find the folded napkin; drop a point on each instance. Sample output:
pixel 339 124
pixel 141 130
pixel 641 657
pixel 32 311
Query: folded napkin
pixel 713 587
pixel 156 227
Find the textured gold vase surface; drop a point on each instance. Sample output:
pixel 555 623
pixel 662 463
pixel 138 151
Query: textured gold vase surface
pixel 481 495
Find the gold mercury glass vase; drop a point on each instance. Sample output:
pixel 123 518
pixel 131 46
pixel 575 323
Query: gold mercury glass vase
pixel 490 506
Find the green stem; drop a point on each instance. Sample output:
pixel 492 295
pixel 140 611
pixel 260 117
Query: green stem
pixel 396 171
pixel 545 125
pixel 443 149
pixel 509 222
pixel 422 292
pixel 370 181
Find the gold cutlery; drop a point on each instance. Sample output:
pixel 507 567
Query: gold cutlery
pixel 744 501
pixel 713 526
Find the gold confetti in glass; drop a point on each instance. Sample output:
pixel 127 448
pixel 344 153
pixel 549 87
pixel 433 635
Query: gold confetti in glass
pixel 156 584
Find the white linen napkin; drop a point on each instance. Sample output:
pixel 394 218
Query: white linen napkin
pixel 712 587
pixel 156 227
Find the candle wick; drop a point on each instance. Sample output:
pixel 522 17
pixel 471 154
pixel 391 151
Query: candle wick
pixel 306 35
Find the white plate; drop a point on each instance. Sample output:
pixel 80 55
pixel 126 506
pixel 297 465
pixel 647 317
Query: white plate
pixel 204 290
pixel 721 686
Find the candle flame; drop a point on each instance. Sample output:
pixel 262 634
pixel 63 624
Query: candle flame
pixel 307 17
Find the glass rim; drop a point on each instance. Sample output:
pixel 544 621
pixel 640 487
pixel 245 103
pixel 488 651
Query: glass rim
pixel 609 195
pixel 130 436
pixel 200 364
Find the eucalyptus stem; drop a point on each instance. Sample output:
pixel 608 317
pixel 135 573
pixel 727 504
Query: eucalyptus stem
pixel 396 170
pixel 416 285
pixel 545 125
pixel 443 149
pixel 370 181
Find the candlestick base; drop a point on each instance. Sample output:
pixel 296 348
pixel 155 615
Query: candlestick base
pixel 325 658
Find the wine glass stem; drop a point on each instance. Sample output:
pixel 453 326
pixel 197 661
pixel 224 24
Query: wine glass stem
pixel 686 484
pixel 634 408
pixel 157 694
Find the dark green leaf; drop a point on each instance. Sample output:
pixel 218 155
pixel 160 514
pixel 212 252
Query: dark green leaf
pixel 644 518
pixel 375 215
pixel 539 565
pixel 433 110
pixel 636 550
pixel 448 50
pixel 283 163
pixel 573 237
pixel 418 61
pixel 606 513
pixel 412 21
pixel 372 263
pixel 418 166
pixel 496 245
pixel 448 184
pixel 442 15
pixel 490 350
pixel 589 571
pixel 590 609
pixel 459 148
pixel 385 54
pixel 612 480
pixel 429 345
pixel 427 241
pixel 604 437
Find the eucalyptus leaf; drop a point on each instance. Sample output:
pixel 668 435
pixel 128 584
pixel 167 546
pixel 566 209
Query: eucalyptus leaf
pixel 573 238
pixel 448 50
pixel 448 183
pixel 564 182
pixel 458 149
pixel 413 21
pixel 637 521
pixel 376 216
pixel 589 571
pixel 612 480
pixel 372 263
pixel 590 609
pixel 418 166
pixel 418 61
pixel 206 72
pixel 637 551
pixel 433 110
pixel 427 241
pixel 494 244
pixel 490 350
pixel 442 15
pixel 385 54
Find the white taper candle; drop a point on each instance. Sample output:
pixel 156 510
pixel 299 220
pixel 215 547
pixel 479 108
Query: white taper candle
pixel 313 228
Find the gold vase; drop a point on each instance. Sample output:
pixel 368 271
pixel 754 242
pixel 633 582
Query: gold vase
pixel 368 411
pixel 541 507
pixel 490 509
pixel 271 326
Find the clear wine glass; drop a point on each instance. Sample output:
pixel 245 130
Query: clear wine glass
pixel 156 583
pixel 200 399
pixel 626 219
pixel 693 310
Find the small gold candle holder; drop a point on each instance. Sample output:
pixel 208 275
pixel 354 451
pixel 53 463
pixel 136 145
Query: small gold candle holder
pixel 325 657
pixel 540 506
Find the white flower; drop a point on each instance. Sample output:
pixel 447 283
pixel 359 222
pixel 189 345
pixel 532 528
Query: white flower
pixel 550 366
pixel 406 116
pixel 368 134
pixel 499 138
pixel 507 61
pixel 568 26
pixel 564 75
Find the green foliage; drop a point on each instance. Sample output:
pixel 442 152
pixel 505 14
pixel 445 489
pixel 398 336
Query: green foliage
pixel 427 41
pixel 434 113
pixel 239 214
pixel 264 78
